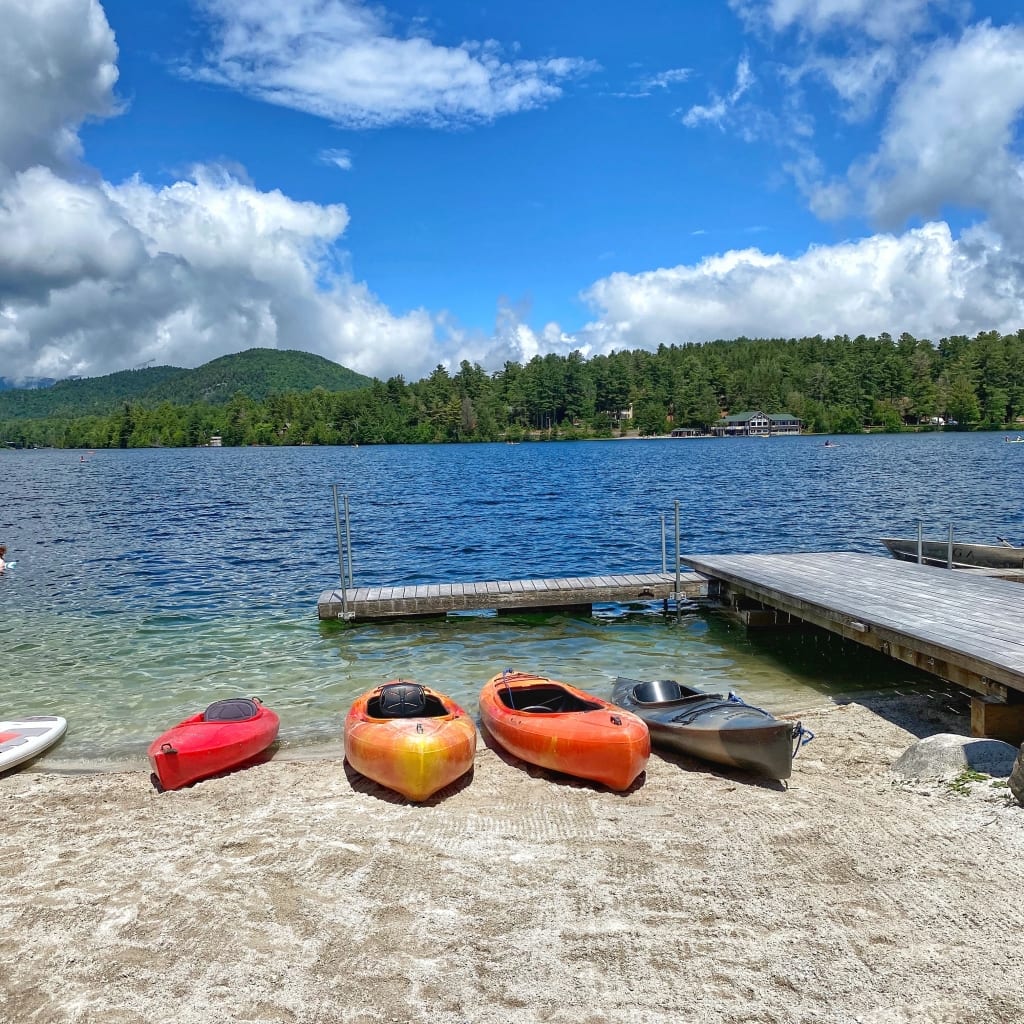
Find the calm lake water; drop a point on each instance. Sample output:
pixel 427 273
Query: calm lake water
pixel 149 583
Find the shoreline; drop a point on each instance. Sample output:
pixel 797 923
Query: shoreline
pixel 298 891
pixel 318 749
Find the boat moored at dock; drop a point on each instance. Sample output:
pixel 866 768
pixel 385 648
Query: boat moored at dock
pixel 1003 555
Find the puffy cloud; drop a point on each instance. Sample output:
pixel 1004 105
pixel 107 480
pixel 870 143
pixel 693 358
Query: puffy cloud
pixel 923 281
pixel 342 60
pixel 951 135
pixel 515 340
pixel 54 233
pixel 57 68
pixel 95 277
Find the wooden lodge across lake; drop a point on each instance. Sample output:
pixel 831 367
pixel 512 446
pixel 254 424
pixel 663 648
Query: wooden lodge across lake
pixel 752 423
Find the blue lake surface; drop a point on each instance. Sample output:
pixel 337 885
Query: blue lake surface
pixel 151 582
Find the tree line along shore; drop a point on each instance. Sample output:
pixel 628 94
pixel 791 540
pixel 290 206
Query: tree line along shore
pixel 833 385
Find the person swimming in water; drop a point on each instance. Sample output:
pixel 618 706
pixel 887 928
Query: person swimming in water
pixel 3 552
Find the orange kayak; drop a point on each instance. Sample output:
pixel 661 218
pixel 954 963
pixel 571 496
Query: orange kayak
pixel 409 738
pixel 556 726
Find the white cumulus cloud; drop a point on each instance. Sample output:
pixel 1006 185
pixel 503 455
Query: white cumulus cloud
pixel 343 60
pixel 952 136
pixel 96 276
pixel 922 281
pixel 57 69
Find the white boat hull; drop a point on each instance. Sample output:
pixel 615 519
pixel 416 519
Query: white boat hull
pixel 25 738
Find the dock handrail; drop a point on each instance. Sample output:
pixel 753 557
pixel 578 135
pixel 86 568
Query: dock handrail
pixel 920 545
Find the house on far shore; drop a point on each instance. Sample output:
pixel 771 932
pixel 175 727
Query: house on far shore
pixel 755 423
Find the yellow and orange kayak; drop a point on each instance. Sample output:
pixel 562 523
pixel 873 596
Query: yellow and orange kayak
pixel 556 726
pixel 409 738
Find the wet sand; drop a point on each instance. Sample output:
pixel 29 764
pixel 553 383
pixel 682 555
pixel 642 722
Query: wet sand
pixel 299 892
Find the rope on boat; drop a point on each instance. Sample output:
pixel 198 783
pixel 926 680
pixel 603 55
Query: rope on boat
pixel 801 737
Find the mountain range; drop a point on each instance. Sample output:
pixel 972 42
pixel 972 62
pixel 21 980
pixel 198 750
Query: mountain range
pixel 256 373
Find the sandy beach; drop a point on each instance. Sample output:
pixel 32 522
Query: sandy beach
pixel 299 892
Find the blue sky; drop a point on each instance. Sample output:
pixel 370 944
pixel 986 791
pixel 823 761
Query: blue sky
pixel 405 184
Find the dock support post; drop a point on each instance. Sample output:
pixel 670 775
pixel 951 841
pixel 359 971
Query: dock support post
pixel 920 542
pixel 949 549
pixel 997 721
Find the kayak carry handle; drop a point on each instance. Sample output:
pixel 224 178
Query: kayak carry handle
pixel 801 737
pixel 166 748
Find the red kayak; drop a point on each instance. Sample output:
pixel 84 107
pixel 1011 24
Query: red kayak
pixel 228 734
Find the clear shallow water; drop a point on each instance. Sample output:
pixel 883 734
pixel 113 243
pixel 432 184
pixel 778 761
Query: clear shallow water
pixel 149 583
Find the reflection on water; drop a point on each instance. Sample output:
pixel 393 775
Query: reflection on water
pixel 150 583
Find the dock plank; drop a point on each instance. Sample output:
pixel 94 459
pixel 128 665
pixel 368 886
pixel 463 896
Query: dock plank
pixel 967 624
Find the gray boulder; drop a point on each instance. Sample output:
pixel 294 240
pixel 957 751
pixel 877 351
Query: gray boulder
pixel 1017 777
pixel 946 755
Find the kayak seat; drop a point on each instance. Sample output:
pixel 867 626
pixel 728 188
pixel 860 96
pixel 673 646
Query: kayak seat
pixel 402 700
pixel 234 709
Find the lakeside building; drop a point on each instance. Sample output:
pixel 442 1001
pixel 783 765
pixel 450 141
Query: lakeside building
pixel 755 423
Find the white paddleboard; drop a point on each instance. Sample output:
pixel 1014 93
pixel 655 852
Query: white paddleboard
pixel 24 738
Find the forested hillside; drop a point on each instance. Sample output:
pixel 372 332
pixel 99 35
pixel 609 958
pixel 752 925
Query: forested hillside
pixel 80 396
pixel 837 384
pixel 256 373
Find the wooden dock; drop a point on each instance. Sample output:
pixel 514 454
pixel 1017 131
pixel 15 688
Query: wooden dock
pixel 362 604
pixel 962 626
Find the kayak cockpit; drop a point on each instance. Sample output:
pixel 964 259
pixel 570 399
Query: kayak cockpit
pixel 540 699
pixel 668 691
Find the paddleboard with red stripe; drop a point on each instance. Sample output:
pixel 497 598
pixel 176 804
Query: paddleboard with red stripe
pixel 22 739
